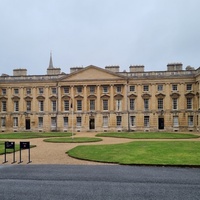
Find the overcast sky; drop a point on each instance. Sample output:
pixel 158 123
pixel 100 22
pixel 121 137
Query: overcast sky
pixel 152 33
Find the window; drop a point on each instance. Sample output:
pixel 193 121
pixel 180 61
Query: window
pixel 3 106
pixel 174 104
pixel 105 89
pixel 66 105
pixel 66 90
pixel 132 88
pixel 146 121
pixel 41 106
pixel 146 104
pixel 174 87
pixel 118 105
pixel 175 121
pixel 79 105
pixel 105 121
pixel 132 104
pixel 16 91
pixel 145 88
pixel 118 88
pixel 189 103
pixel 132 120
pixel 119 121
pixel 92 89
pixel 160 104
pixel 28 91
pixel 28 106
pixel 189 87
pixel 78 121
pixel 65 121
pixel 15 121
pixel 160 87
pixel 3 122
pixel 41 90
pixel 53 90
pixel 190 121
pixel 3 91
pixel 40 122
pixel 16 106
pixel 54 108
pixel 92 104
pixel 53 122
pixel 79 89
pixel 105 104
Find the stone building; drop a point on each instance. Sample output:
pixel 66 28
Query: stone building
pixel 96 99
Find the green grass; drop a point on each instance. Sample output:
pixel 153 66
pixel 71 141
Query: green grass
pixel 73 140
pixel 148 135
pixel 29 135
pixel 142 152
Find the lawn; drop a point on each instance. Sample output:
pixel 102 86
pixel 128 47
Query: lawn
pixel 148 135
pixel 29 135
pixel 73 140
pixel 142 152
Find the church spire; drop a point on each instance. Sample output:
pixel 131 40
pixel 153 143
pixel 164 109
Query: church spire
pixel 51 61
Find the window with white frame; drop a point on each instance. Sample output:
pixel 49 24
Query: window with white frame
pixel 54 90
pixel 65 121
pixel 119 121
pixel 160 87
pixel 146 121
pixel 15 121
pixel 78 121
pixel 92 89
pixel 132 88
pixel 190 121
pixel 40 122
pixel 28 106
pixel 146 104
pixel 54 106
pixel 146 88
pixel 16 106
pixel 174 87
pixel 174 104
pixel 175 121
pixel 41 105
pixel 118 88
pixel 105 104
pixel 66 105
pixel 3 121
pixel 41 90
pixel 132 104
pixel 66 90
pixel 53 122
pixel 79 105
pixel 105 89
pixel 105 121
pixel 132 120
pixel 189 87
pixel 92 104
pixel 118 105
pixel 79 89
pixel 28 91
pixel 189 103
pixel 16 91
pixel 3 106
pixel 160 103
pixel 3 91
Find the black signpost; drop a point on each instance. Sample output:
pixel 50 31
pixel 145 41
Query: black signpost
pixel 25 145
pixel 9 145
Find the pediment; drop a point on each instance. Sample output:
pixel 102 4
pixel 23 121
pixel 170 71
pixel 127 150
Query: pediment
pixel 92 73
pixel 190 95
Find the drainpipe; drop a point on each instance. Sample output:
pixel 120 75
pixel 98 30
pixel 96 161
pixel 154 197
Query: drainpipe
pixel 127 104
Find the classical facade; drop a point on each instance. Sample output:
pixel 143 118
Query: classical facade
pixel 96 99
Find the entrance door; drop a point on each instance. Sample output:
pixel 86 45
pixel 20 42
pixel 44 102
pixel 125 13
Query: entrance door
pixel 28 124
pixel 161 124
pixel 92 123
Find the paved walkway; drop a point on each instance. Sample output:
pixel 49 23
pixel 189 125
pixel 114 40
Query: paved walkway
pixel 54 153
